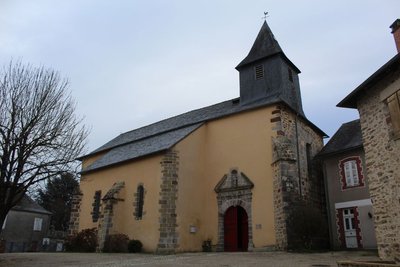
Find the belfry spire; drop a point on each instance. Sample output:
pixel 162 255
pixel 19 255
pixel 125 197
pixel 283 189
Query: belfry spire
pixel 266 74
pixel 265 45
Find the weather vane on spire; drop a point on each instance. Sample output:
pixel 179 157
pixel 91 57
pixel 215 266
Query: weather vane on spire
pixel 265 16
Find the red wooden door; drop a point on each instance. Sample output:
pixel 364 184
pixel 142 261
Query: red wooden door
pixel 243 230
pixel 230 229
pixel 236 229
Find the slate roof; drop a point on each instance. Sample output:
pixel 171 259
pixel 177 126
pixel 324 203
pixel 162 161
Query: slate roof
pixel 350 101
pixel 347 137
pixel 192 117
pixel 264 46
pixel 136 149
pixel 27 204
pixel 164 134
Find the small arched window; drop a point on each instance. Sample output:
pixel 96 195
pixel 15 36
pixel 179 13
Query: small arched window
pixel 96 206
pixel 139 202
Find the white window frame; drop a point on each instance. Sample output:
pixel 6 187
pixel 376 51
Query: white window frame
pixel 349 219
pixel 37 224
pixel 351 173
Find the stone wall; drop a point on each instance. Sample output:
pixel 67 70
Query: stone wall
pixel 234 189
pixel 105 223
pixel 297 177
pixel 285 182
pixel 382 155
pixel 106 216
pixel 75 211
pixel 169 238
pixel 310 181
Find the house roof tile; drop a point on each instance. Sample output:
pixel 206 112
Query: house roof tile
pixel 347 137
pixel 27 204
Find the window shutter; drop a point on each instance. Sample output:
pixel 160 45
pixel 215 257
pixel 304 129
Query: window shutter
pixel 394 109
pixel 351 173
pixel 347 169
pixel 350 170
pixel 354 172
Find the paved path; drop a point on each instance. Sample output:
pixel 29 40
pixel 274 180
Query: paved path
pixel 276 259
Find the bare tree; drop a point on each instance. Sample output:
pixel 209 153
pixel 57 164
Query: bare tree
pixel 40 136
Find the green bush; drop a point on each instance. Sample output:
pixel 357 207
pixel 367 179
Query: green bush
pixel 134 246
pixel 116 243
pixel 84 241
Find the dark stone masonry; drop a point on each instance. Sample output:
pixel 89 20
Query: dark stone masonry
pixel 168 240
pixel 297 177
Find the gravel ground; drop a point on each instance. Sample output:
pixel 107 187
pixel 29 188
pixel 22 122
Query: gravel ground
pixel 276 259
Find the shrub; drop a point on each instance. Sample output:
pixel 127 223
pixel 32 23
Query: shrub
pixel 69 243
pixel 84 241
pixel 134 246
pixel 116 243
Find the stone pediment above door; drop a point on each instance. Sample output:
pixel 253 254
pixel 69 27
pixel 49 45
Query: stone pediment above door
pixel 233 181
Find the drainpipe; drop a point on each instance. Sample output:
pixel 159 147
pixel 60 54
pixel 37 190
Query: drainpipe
pixel 298 153
pixel 328 205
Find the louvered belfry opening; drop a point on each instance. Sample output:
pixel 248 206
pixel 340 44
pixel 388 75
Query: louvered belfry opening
pixel 259 72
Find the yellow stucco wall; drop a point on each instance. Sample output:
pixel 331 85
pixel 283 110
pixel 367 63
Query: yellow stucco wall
pixel 240 141
pixel 145 171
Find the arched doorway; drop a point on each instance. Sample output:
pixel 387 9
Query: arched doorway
pixel 236 229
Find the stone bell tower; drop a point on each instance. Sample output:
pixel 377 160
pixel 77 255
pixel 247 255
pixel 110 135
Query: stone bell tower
pixel 267 74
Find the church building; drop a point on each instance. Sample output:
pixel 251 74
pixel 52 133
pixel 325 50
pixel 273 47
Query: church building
pixel 230 173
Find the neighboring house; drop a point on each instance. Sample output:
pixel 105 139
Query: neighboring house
pixel 230 173
pixel 25 227
pixel 378 102
pixel 348 201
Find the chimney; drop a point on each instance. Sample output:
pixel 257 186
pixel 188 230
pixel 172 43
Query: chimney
pixel 396 33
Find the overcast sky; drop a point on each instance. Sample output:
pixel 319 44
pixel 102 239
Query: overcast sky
pixel 132 63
